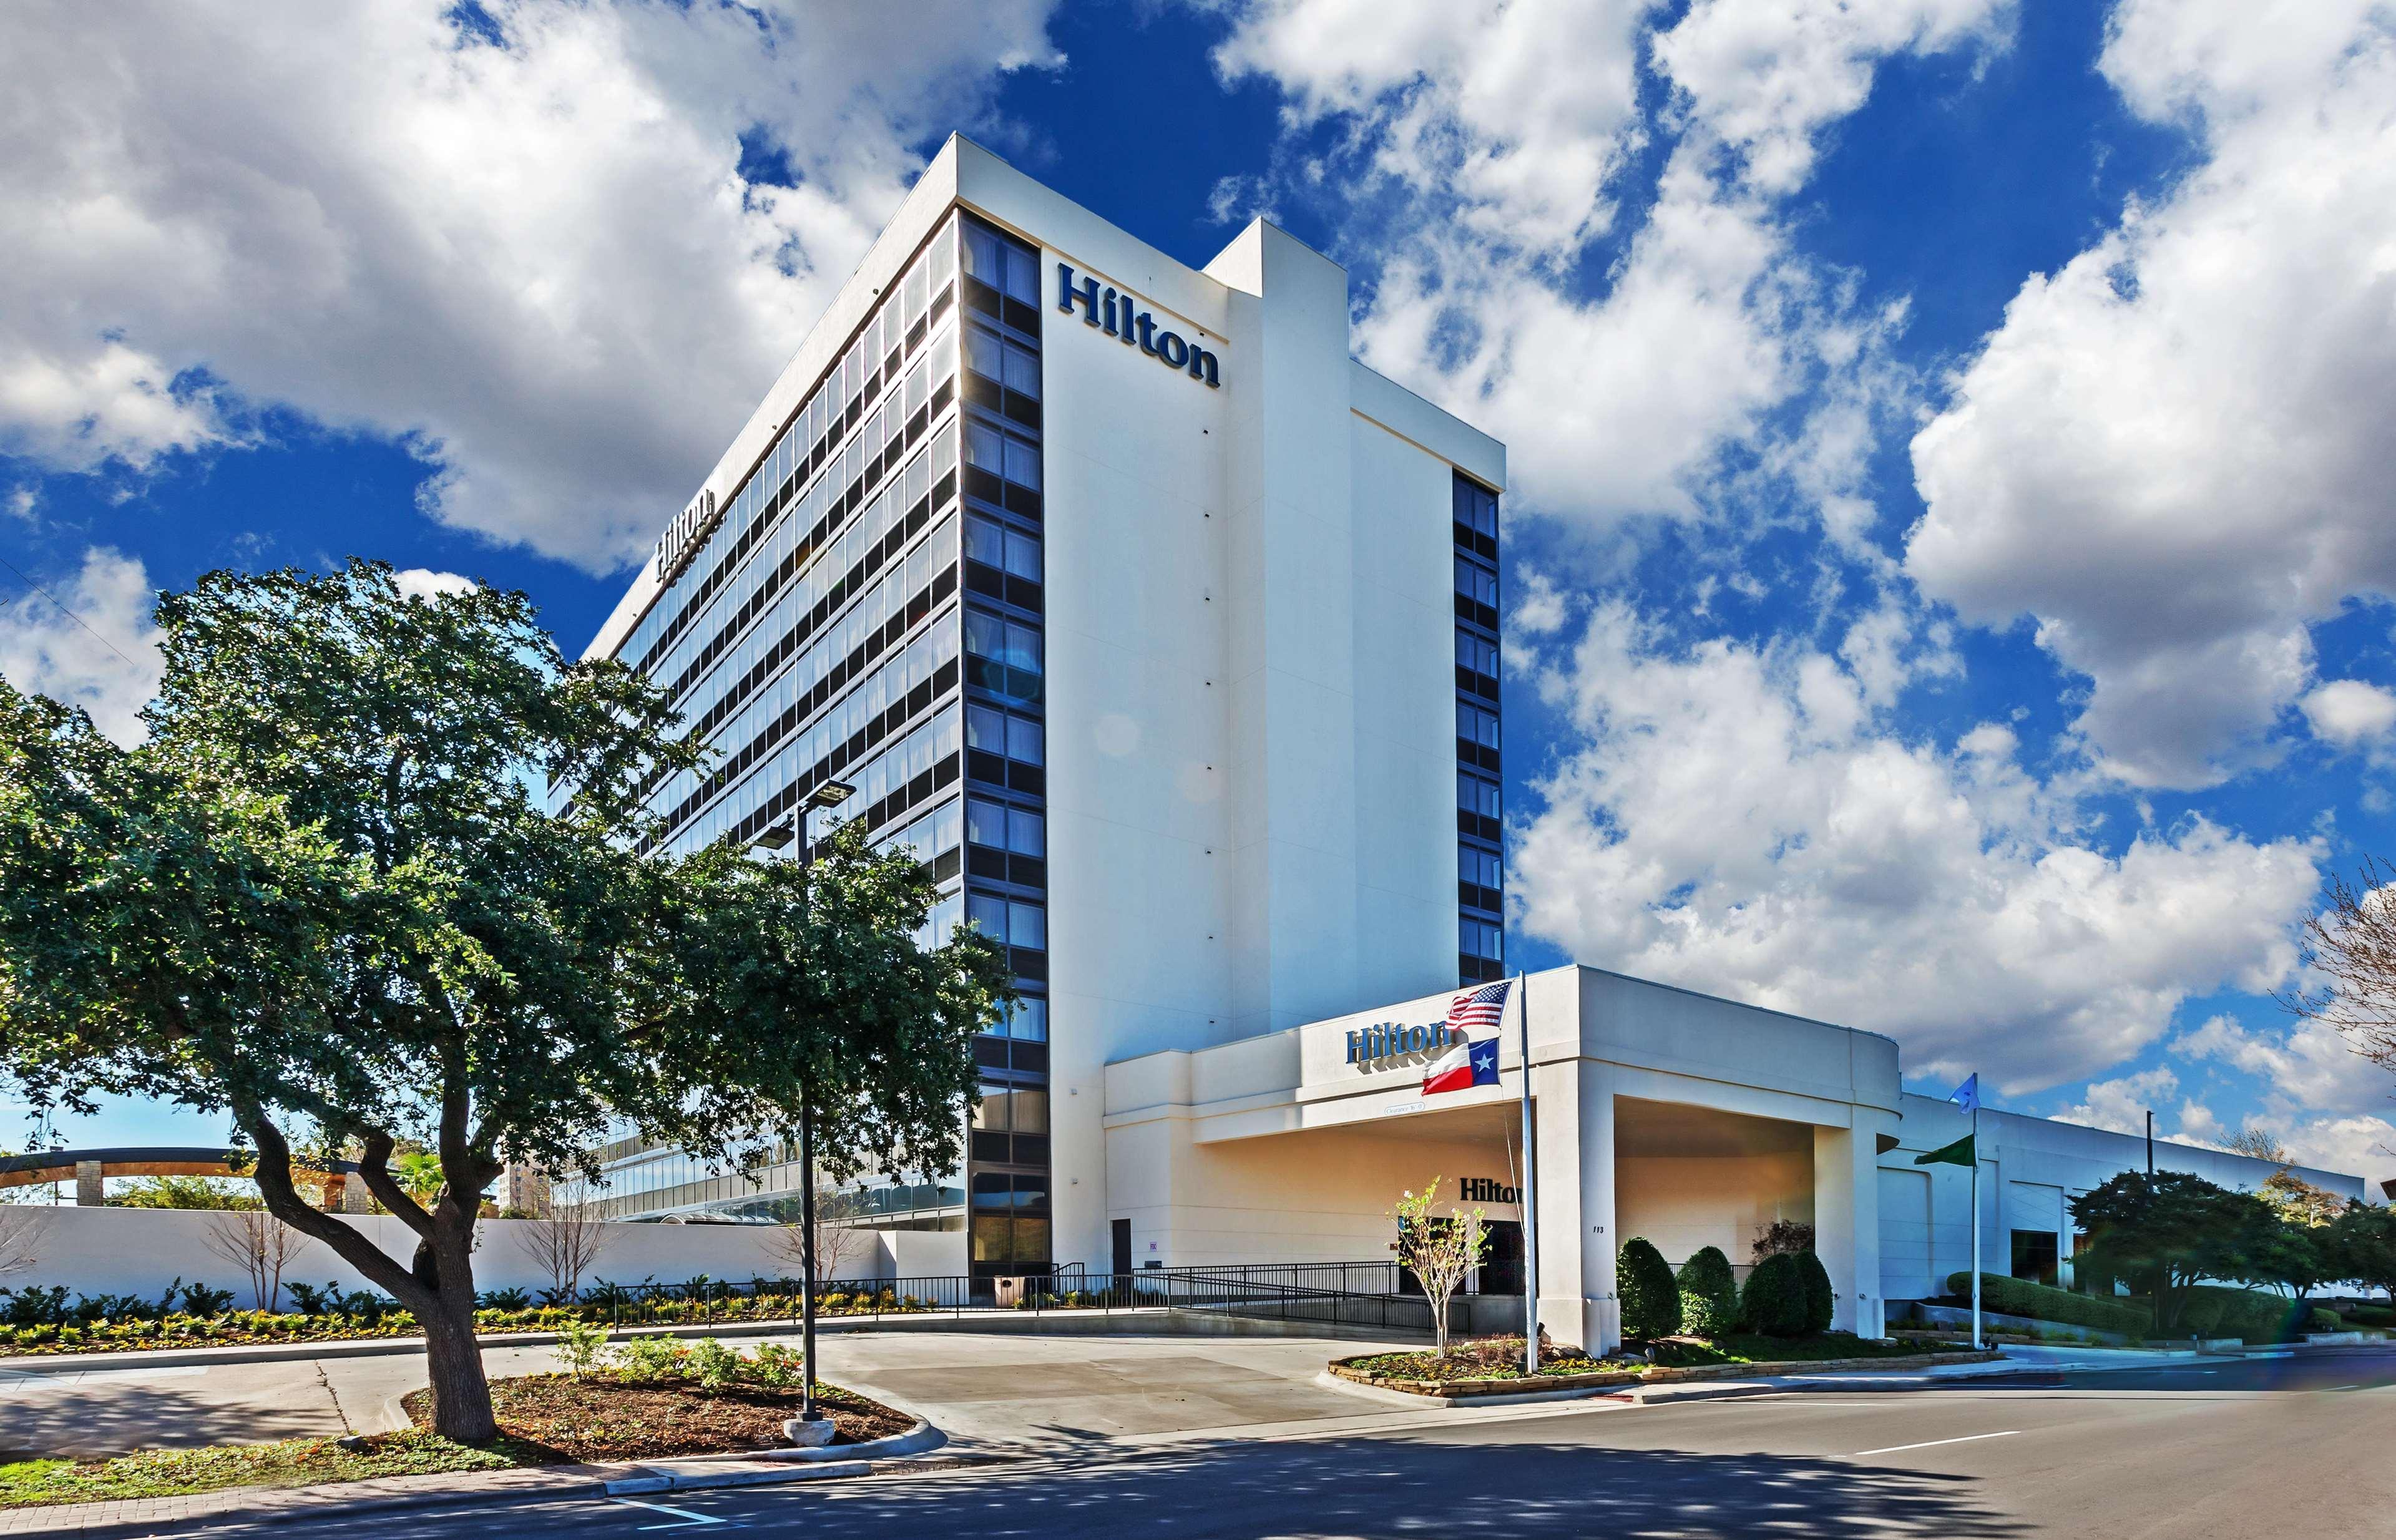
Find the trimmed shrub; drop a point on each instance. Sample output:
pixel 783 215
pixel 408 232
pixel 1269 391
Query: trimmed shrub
pixel 2214 1312
pixel 2040 1302
pixel 1821 1304
pixel 1709 1295
pixel 2324 1320
pixel 1774 1302
pixel 1651 1301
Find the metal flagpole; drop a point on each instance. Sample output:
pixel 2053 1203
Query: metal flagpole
pixel 1976 1222
pixel 1530 1197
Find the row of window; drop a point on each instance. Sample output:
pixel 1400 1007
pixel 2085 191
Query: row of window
pixel 1006 841
pixel 1002 657
pixel 1476 664
pixel 1012 1110
pixel 920 298
pixel 820 561
pixel 823 635
pixel 834 672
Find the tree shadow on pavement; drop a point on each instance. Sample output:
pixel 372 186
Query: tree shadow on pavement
pixel 41 1417
pixel 1385 1487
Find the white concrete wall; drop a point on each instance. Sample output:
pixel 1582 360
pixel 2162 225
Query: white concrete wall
pixel 2030 1169
pixel 1322 1196
pixel 141 1251
pixel 1686 1204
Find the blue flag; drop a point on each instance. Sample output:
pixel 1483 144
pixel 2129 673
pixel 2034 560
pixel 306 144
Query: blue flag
pixel 1968 1095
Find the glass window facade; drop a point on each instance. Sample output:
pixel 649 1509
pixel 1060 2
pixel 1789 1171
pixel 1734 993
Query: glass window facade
pixel 821 630
pixel 1480 866
pixel 1004 714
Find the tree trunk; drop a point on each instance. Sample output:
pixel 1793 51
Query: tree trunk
pixel 439 1290
pixel 453 1358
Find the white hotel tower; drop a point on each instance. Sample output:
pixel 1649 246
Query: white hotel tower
pixel 1161 626
pixel 1166 633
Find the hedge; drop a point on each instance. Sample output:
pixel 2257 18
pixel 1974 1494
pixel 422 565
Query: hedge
pixel 1774 1302
pixel 2214 1312
pixel 1709 1295
pixel 1821 1303
pixel 1651 1300
pixel 2040 1302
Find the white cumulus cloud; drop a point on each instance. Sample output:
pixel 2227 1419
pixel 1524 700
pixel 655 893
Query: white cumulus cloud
pixel 423 582
pixel 1506 136
pixel 87 641
pixel 1743 819
pixel 2348 711
pixel 2172 455
pixel 527 251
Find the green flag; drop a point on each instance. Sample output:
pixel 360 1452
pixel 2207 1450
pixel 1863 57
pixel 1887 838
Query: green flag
pixel 1959 1153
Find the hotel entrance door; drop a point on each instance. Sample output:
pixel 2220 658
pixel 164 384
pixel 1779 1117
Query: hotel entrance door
pixel 1501 1266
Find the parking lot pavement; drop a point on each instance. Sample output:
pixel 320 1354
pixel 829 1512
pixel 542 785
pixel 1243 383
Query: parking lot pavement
pixel 1047 1394
pixel 1007 1391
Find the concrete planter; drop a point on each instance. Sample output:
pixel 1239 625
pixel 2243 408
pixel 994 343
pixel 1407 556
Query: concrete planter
pixel 1654 1374
pixel 1464 1389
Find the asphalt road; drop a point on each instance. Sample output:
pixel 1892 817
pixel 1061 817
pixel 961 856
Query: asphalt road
pixel 2244 1451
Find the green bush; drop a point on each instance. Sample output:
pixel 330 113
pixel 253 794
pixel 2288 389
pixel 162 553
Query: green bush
pixel 2214 1312
pixel 1821 1304
pixel 2324 1320
pixel 1774 1302
pixel 1709 1295
pixel 2040 1302
pixel 1651 1301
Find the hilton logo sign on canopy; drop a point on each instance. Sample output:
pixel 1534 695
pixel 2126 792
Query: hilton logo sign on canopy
pixel 1388 1041
pixel 1112 312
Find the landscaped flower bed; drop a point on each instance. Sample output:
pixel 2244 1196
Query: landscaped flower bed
pixel 1491 1367
pixel 40 1321
pixel 1485 1366
pixel 646 1398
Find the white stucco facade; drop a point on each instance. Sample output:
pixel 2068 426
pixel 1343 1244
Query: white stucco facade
pixel 1659 1113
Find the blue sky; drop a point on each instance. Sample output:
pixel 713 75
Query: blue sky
pixel 1949 543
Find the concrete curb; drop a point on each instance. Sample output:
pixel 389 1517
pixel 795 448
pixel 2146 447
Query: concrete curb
pixel 738 1475
pixel 1383 1395
pixel 334 1499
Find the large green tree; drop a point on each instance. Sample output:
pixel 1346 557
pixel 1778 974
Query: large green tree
pixel 2362 1247
pixel 322 898
pixel 2168 1232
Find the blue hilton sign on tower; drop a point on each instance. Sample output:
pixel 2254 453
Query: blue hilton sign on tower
pixel 1112 311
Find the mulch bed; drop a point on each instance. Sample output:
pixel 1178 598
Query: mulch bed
pixel 598 1417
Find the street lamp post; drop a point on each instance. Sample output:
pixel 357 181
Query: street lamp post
pixel 832 794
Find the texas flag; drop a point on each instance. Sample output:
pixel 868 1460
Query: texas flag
pixel 1463 1067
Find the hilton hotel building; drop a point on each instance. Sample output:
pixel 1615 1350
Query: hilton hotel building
pixel 1167 634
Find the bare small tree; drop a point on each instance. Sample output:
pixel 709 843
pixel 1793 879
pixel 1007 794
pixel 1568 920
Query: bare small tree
pixel 258 1244
pixel 839 1241
pixel 564 1243
pixel 2352 946
pixel 2260 1144
pixel 1439 1250
pixel 18 1252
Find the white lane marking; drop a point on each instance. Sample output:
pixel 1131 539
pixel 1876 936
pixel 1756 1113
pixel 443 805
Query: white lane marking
pixel 2342 1387
pixel 1968 1438
pixel 689 1519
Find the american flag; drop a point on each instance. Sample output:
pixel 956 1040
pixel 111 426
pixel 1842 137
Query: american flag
pixel 1480 1007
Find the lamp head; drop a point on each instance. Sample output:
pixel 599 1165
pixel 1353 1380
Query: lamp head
pixel 832 794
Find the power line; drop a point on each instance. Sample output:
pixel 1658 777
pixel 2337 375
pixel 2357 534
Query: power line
pixel 68 613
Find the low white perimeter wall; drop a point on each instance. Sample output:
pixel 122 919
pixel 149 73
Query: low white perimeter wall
pixel 141 1251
